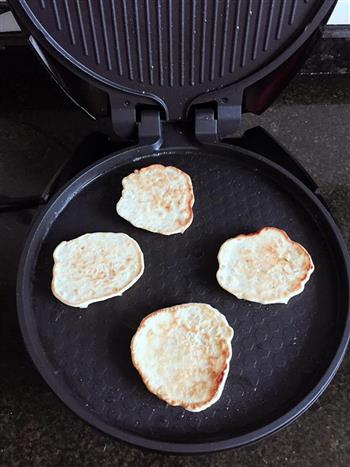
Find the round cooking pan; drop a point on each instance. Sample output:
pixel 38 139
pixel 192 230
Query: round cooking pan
pixel 284 356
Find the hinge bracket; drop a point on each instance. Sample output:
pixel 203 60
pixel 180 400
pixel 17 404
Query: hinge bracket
pixel 217 123
pixel 149 127
pixel 206 125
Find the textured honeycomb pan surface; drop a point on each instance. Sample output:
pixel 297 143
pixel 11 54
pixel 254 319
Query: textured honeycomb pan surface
pixel 279 351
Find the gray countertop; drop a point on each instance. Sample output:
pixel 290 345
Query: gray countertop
pixel 38 128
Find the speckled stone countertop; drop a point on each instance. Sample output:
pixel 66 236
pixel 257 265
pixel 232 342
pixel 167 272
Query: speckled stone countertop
pixel 38 128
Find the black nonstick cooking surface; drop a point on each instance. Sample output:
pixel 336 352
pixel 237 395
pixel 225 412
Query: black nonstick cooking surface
pixel 283 355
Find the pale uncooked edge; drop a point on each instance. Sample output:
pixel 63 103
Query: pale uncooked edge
pixel 221 386
pixel 85 304
pixel 291 295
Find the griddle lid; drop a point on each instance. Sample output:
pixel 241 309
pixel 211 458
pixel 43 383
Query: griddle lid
pixel 172 52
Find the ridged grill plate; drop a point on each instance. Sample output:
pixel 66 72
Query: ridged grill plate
pixel 173 49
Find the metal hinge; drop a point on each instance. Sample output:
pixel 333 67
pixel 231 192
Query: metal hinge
pixel 206 125
pixel 140 123
pixel 149 127
pixel 217 123
pixel 135 117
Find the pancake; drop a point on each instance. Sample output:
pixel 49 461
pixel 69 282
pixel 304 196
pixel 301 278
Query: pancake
pixel 158 199
pixel 183 354
pixel 94 267
pixel 264 267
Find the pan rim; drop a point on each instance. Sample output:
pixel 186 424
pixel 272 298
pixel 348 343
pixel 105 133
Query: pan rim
pixel 60 390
